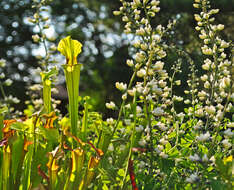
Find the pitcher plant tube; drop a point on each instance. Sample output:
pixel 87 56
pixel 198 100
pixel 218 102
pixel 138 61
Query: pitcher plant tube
pixel 71 49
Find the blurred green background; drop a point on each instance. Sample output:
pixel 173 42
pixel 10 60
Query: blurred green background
pixel 105 48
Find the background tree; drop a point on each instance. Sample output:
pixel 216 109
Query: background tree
pixel 105 48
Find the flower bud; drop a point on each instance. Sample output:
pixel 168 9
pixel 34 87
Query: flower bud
pixel 199 113
pixel 210 109
pixel 206 67
pixel 139 57
pixel 158 111
pixel 129 63
pixel 158 65
pixel 203 137
pixel 178 82
pixel 8 82
pixel 2 62
pixel 225 83
pixel 2 75
pixel 140 32
pixel 124 96
pixel 141 73
pixel 197 17
pixel 125 19
pixel 132 92
pixel 36 38
pixel 110 121
pixel 110 105
pixel 207 85
pixel 144 47
pixel 36 16
pixel 121 86
pixel 226 144
pixel 116 13
pixel 139 128
pixel 206 50
pixel 195 5
pixel 137 44
pixel 220 27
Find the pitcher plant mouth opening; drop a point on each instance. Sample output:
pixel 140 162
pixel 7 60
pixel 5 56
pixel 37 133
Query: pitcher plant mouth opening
pixel 70 49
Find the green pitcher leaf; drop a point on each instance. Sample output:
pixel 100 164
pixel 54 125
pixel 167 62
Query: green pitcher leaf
pixel 70 49
pixel 52 134
pixel 46 81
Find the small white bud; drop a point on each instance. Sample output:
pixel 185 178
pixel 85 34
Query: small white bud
pixel 132 92
pixel 124 96
pixel 110 121
pixel 220 27
pixel 158 111
pixel 142 142
pixel 8 82
pixel 197 17
pixel 2 75
pixel 121 86
pixel 158 65
pixel 2 63
pixel 111 148
pixel 141 73
pixel 210 109
pixel 203 137
pixel 163 155
pixel 116 13
pixel 228 133
pixel 139 57
pixel 226 144
pixel 178 82
pixel 129 63
pixel 110 105
pixel 139 128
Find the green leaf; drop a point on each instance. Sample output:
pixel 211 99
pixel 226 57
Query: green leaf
pixel 217 185
pixel 3 110
pixel 51 134
pixel 46 80
pixel 167 165
pixel 121 172
pixel 27 168
pixel 104 187
pixel 172 135
pixel 17 162
pixel 40 158
pixel 168 147
pixel 1 124
pixel 174 153
pixel 19 126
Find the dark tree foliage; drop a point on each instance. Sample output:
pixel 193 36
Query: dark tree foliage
pixel 105 49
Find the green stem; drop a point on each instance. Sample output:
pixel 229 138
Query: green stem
pixel 122 105
pixel 85 122
pixel 132 141
pixel 6 168
pixel 2 91
pixel 47 96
